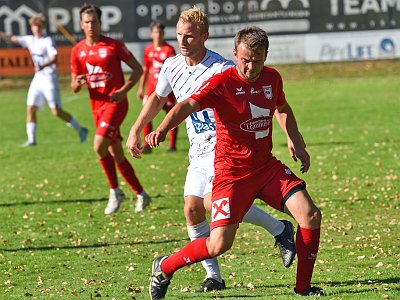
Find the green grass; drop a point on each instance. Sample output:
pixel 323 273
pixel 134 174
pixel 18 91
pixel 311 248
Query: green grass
pixel 55 241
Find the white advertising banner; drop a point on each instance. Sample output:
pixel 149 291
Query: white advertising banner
pixel 356 45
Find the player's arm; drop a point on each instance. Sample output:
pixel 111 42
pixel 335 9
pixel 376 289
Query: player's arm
pixel 9 38
pixel 289 125
pixel 149 110
pixel 281 121
pixel 52 60
pixel 142 82
pixel 175 116
pixel 137 71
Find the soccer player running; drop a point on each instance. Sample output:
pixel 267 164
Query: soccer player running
pixel 154 55
pixel 96 61
pixel 184 74
pixel 244 99
pixel 44 85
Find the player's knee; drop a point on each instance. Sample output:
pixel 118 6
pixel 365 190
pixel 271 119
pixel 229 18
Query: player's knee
pixel 218 247
pixel 194 214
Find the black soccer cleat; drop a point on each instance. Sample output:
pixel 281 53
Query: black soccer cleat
pixel 312 291
pixel 211 284
pixel 159 281
pixel 286 244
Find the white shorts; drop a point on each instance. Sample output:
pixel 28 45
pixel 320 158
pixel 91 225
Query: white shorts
pixel 43 90
pixel 200 175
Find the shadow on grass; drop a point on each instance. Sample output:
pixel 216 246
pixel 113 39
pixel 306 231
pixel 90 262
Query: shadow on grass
pixel 96 245
pixel 63 201
pixel 331 143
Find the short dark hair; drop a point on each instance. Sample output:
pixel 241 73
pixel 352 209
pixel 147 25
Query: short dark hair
pixel 90 9
pixel 253 37
pixel 157 24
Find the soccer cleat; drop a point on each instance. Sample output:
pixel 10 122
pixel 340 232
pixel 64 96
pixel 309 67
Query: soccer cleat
pixel 211 284
pixel 171 149
pixel 83 134
pixel 28 144
pixel 114 201
pixel 143 200
pixel 286 244
pixel 159 281
pixel 146 150
pixel 312 291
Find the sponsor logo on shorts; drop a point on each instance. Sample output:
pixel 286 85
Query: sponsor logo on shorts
pixel 287 171
pixel 220 209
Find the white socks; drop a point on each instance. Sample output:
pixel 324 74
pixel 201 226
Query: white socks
pixel 31 132
pixel 260 218
pixel 210 265
pixel 74 124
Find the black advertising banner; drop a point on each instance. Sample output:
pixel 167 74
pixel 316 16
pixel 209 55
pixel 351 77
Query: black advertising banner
pixel 129 20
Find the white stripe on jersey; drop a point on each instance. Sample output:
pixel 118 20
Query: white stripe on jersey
pixel 184 80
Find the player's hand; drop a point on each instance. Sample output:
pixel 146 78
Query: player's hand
pixel 154 138
pixel 134 144
pixel 140 94
pixel 81 79
pixel 302 154
pixel 118 96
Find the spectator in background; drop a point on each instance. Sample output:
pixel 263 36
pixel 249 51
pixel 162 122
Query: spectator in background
pixel 154 56
pixel 44 85
pixel 96 61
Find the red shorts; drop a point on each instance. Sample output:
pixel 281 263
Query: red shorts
pixel 108 117
pixel 233 194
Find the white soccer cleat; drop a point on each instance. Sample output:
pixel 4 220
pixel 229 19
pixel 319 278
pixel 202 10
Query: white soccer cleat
pixel 114 201
pixel 143 200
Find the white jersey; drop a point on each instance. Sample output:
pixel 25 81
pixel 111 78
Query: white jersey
pixel 41 50
pixel 183 81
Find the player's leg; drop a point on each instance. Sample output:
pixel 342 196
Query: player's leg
pixel 147 128
pixel 127 171
pixel 197 225
pixel 308 216
pixel 53 98
pixel 33 103
pixel 220 240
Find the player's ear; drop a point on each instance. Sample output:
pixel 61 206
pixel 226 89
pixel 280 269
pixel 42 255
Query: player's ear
pixel 235 53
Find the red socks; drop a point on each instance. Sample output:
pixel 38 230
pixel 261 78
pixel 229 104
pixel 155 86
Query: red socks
pixel 109 169
pixel 192 253
pixel 146 130
pixel 127 171
pixel 307 243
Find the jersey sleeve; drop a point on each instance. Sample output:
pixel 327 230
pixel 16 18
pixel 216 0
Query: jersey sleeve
pixel 51 47
pixel 163 88
pixel 123 52
pixel 146 59
pixel 209 93
pixel 23 40
pixel 76 68
pixel 281 99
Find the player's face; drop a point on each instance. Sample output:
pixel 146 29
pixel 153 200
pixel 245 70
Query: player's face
pixel 91 25
pixel 36 30
pixel 157 35
pixel 250 63
pixel 190 39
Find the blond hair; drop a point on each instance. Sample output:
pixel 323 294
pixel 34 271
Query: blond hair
pixel 38 20
pixel 195 15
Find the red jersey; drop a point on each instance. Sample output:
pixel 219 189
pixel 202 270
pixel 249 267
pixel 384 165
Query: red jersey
pixel 153 59
pixel 102 62
pixel 243 116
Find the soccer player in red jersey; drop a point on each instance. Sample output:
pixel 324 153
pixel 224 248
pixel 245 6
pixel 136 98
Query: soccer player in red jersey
pixel 244 99
pixel 96 61
pixel 154 55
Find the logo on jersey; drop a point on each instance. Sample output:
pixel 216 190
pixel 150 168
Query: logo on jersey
pixel 254 91
pixel 220 209
pixel 239 91
pixel 202 122
pixel 267 91
pixel 96 77
pixel 260 122
pixel 82 53
pixel 103 52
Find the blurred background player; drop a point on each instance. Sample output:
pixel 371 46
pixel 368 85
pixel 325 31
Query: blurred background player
pixel 44 85
pixel 184 74
pixel 154 56
pixel 96 61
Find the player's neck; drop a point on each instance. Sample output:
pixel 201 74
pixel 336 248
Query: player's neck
pixel 196 59
pixel 158 44
pixel 92 40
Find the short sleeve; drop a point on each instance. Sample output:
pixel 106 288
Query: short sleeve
pixel 123 52
pixel 75 66
pixel 23 40
pixel 163 88
pixel 51 47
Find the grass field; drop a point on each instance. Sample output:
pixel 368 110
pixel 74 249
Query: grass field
pixel 56 243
